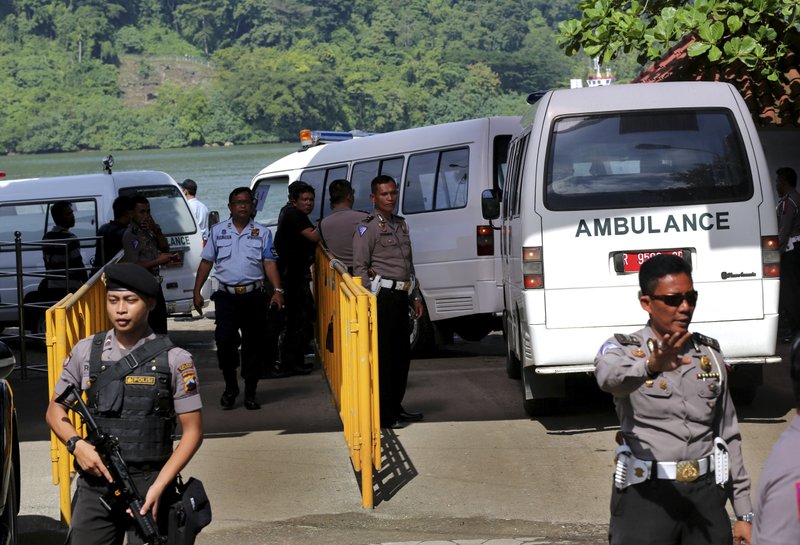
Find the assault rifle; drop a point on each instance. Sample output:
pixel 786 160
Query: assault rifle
pixel 122 489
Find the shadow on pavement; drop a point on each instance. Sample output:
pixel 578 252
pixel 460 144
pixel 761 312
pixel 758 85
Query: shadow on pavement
pixel 397 469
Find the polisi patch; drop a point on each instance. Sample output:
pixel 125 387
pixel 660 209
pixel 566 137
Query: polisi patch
pixel 140 379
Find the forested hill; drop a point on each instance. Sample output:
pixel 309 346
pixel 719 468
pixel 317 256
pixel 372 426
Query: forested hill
pixel 127 74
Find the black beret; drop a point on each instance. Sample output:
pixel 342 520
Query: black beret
pixel 131 277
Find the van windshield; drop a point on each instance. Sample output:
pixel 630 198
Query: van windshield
pixel 653 158
pixel 168 208
pixel 271 195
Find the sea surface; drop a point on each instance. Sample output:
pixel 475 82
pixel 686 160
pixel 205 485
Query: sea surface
pixel 217 170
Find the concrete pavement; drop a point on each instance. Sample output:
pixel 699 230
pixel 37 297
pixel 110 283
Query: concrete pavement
pixel 488 475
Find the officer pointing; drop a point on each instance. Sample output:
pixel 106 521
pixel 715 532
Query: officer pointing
pixel 680 455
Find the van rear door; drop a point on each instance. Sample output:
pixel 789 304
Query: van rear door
pixel 621 186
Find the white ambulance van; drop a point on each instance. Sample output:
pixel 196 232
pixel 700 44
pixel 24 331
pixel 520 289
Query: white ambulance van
pixel 601 179
pixel 441 171
pixel 25 207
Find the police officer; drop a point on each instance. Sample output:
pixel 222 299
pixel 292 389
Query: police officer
pixel 679 432
pixel 382 258
pixel 240 250
pixel 337 228
pixel 145 245
pixel 777 519
pixel 136 403
pixel 57 261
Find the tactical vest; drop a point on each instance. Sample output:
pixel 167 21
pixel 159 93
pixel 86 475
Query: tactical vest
pixel 136 407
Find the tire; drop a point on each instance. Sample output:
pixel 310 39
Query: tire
pixel 744 395
pixel 545 406
pixel 422 335
pixel 474 328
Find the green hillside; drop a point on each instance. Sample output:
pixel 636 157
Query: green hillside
pixel 130 74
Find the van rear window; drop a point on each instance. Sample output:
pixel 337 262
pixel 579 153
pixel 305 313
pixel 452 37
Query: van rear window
pixel 167 207
pixel 644 159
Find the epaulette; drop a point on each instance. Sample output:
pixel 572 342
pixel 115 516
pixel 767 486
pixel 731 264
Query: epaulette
pixel 708 341
pixel 628 340
pixel 368 219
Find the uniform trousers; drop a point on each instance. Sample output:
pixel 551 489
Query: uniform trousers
pixel 790 289
pixel 665 512
pixel 157 319
pixel 92 524
pixel 394 352
pixel 246 313
pixel 300 316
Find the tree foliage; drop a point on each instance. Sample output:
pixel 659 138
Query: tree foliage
pixel 757 34
pixel 278 66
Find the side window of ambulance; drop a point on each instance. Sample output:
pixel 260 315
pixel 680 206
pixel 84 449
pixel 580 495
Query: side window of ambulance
pixel 29 219
pixel 366 171
pixel 436 181
pixel 319 180
pixel 168 208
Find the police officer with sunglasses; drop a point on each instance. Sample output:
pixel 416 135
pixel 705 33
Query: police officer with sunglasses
pixel 679 458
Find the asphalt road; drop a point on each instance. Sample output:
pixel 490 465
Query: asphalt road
pixel 477 468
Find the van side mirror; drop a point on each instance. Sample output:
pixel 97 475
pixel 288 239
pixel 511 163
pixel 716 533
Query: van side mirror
pixel 7 360
pixel 490 205
pixel 213 218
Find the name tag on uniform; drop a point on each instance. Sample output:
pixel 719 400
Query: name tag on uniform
pixel 146 380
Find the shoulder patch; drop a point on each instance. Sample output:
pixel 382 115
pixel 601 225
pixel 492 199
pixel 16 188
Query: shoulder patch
pixel 708 341
pixel 607 346
pixel 361 230
pixel 629 340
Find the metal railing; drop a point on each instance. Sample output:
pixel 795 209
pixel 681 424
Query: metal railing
pixel 75 317
pixel 347 341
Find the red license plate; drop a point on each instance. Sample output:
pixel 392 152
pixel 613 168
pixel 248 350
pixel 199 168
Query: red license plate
pixel 630 262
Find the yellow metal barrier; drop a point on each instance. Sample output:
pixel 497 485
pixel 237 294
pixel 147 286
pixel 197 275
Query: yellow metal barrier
pixel 75 317
pixel 352 365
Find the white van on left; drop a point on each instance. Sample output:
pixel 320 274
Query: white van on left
pixel 25 208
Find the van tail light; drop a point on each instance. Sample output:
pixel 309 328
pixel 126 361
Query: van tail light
pixel 532 268
pixel 770 257
pixel 484 238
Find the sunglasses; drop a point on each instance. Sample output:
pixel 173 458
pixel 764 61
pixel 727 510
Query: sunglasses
pixel 675 299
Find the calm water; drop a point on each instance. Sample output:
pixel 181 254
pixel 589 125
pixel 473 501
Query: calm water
pixel 216 170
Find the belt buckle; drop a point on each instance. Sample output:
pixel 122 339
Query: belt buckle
pixel 687 471
pixel 240 290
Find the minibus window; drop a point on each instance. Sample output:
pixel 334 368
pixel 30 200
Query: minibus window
pixel 271 195
pixel 319 180
pixel 366 171
pixel 168 208
pixel 638 159
pixel 29 219
pixel 436 181
pixel 500 151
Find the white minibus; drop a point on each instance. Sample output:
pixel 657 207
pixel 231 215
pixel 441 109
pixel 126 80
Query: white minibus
pixel 441 171
pixel 601 179
pixel 25 208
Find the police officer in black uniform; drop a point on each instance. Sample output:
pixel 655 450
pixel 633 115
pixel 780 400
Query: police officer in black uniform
pixel 136 402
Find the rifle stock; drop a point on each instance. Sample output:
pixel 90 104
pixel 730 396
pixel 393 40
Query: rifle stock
pixel 122 489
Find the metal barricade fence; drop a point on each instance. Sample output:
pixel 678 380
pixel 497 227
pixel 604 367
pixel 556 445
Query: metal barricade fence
pixel 75 317
pixel 347 341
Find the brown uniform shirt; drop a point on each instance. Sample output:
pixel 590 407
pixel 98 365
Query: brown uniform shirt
pixel 384 248
pixel 337 229
pixel 139 245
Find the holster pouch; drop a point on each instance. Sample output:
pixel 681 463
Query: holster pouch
pixel 109 399
pixel 629 469
pixel 721 461
pixel 375 284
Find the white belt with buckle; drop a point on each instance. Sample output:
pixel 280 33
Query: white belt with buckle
pixel 395 284
pixel 684 470
pixel 244 288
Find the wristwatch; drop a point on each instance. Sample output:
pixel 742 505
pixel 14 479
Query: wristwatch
pixel 747 517
pixel 71 442
pixel 280 290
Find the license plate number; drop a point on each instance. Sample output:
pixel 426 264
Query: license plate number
pixel 631 262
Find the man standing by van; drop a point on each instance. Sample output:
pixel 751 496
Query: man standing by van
pixel 337 228
pixel 63 258
pixel 145 245
pixel 680 453
pixel 382 258
pixel 111 233
pixel 788 211
pixel 199 210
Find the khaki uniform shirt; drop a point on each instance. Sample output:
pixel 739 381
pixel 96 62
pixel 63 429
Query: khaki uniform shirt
pixel 337 229
pixel 139 245
pixel 185 393
pixel 384 248
pixel 777 520
pixel 675 415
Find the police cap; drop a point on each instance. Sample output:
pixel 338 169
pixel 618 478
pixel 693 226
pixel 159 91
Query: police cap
pixel 131 277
